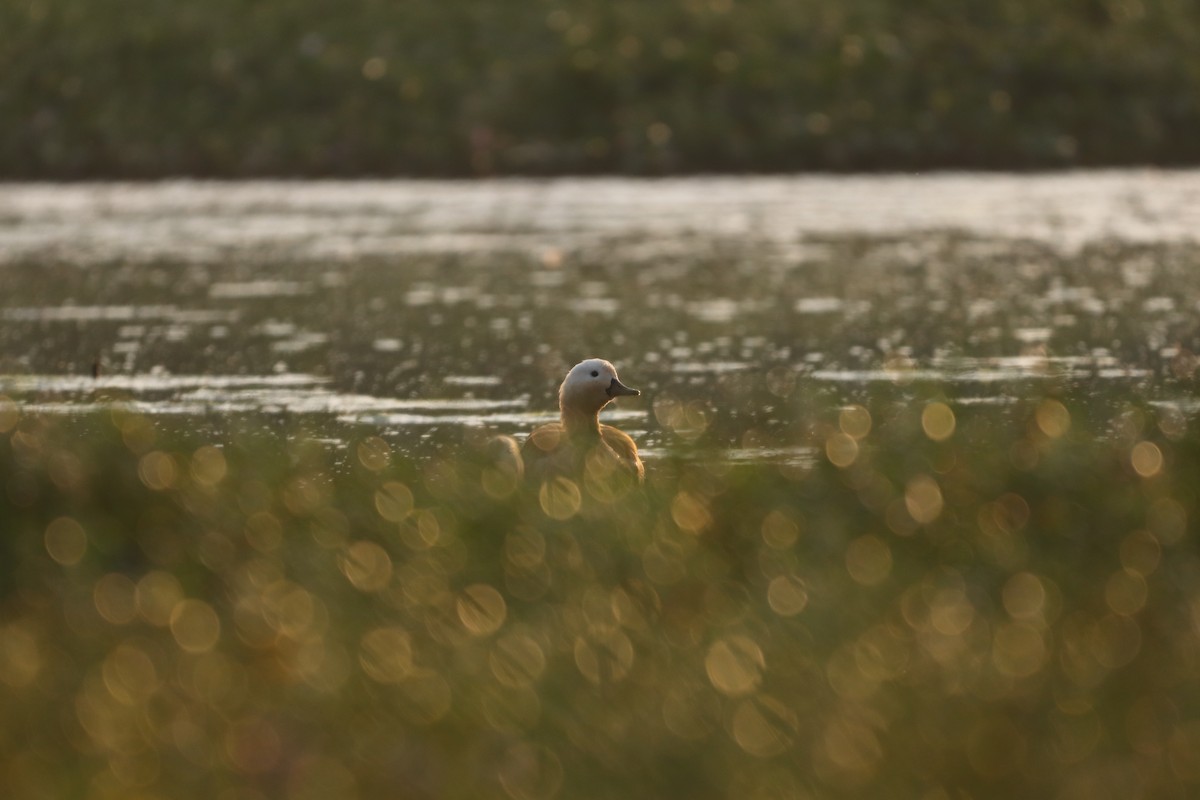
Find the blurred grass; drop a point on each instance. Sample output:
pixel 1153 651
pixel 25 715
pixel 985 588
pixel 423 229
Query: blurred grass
pixel 946 602
pixel 148 88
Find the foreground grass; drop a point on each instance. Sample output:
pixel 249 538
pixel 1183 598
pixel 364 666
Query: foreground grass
pixel 943 603
pixel 313 87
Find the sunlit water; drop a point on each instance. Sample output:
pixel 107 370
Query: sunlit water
pixel 423 310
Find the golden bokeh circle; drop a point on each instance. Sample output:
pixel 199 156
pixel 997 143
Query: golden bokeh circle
pixel 1146 458
pixel 1052 418
pixel 938 422
pixel 386 654
pixel 560 498
pixel 66 541
pixel 787 595
pixel 763 726
pixel 855 422
pixel 481 609
pixel 367 566
pixel 735 665
pixel 841 449
pixel 195 626
pixel 923 499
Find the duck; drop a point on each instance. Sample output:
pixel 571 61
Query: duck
pixel 579 440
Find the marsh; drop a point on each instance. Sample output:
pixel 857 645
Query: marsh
pixel 918 518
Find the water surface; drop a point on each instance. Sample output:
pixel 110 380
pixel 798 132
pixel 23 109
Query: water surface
pixel 741 306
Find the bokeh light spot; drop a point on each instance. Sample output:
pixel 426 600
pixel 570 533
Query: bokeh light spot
pixel 690 512
pixel 686 420
pixel 787 596
pixel 937 420
pixel 1146 458
pixel 605 478
pixel 923 499
pixel 208 466
pixel 841 449
pixel 158 470
pixel 304 494
pixel 525 549
pixel 481 609
pixel 195 626
pixel 156 595
pixel 394 501
pixel 779 529
pixel 665 562
pixel 848 752
pixel 951 612
pixel 501 481
pixel 855 422
pixel 530 772
pixel 425 528
pixel 1024 596
pixel 136 431
pixel 604 655
pixel 735 665
pixel 1052 418
pixel 517 660
pixel 115 598
pixel 374 453
pixel 763 726
pixel 66 541
pixel 367 566
pixel 130 674
pixel 560 498
pixel 374 68
pixel 386 655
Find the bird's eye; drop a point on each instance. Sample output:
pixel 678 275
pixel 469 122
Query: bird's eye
pixel 595 374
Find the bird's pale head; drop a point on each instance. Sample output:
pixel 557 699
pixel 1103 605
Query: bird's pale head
pixel 590 386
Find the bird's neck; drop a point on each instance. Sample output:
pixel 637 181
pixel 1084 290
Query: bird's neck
pixel 581 424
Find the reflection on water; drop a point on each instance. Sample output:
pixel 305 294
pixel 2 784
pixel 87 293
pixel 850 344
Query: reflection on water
pixel 988 370
pixel 204 222
pixel 747 303
pixel 152 383
pixel 201 394
pixel 282 394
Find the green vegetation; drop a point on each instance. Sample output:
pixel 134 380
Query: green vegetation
pixel 148 88
pixel 946 601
